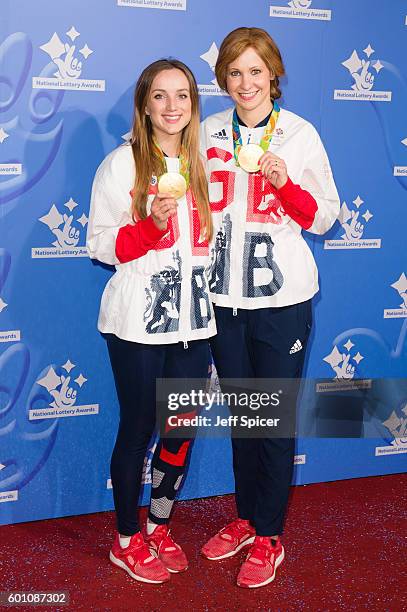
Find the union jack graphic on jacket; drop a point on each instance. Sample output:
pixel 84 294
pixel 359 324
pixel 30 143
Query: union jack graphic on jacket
pixel 159 293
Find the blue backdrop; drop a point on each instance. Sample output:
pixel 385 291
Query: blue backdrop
pixel 67 76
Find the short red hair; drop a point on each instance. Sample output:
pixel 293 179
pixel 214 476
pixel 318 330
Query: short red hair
pixel 237 41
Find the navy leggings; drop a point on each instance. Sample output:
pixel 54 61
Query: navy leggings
pixel 135 368
pixel 262 343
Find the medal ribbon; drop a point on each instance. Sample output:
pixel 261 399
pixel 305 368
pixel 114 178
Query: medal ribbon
pixel 183 161
pixel 265 139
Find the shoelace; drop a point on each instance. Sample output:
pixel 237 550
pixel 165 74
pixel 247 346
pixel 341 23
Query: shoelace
pixel 139 549
pixel 236 528
pixel 165 541
pixel 260 551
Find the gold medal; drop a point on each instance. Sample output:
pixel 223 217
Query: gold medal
pixel 172 183
pixel 249 156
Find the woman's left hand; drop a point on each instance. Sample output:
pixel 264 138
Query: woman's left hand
pixel 274 169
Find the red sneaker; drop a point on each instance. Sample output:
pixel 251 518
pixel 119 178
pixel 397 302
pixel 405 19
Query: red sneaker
pixel 261 563
pixel 169 552
pixel 137 561
pixel 229 540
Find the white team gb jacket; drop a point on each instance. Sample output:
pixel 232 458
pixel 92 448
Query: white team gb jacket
pixel 261 258
pixel 161 297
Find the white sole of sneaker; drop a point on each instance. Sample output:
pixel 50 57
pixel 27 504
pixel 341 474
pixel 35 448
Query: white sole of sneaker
pixel 119 563
pixel 278 562
pixel 233 552
pixel 173 571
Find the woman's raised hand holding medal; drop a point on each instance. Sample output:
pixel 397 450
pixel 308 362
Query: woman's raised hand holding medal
pixel 256 157
pixel 171 186
pixel 274 169
pixel 252 159
pixel 163 207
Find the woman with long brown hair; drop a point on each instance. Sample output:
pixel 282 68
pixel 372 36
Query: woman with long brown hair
pixel 150 218
pixel 274 177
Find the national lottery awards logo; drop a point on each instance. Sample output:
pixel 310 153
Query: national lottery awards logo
pixel 7 496
pixel 170 5
pixel 212 89
pixel 63 385
pixel 400 286
pixel 67 228
pixel 401 170
pixel 8 169
pixel 354 224
pixel 11 169
pixel 363 73
pixel 300 9
pixel 69 65
pixel 343 364
pixel 396 424
pixel 13 335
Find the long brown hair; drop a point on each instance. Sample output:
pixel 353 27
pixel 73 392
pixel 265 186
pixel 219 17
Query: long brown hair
pixel 146 159
pixel 237 41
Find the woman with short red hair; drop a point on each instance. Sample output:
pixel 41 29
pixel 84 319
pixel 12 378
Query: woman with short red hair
pixel 269 179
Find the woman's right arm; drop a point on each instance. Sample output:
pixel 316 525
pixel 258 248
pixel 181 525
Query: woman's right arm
pixel 112 236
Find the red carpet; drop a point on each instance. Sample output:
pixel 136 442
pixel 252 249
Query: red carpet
pixel 345 550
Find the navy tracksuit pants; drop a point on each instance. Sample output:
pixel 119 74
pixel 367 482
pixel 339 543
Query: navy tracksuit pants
pixel 135 368
pixel 258 344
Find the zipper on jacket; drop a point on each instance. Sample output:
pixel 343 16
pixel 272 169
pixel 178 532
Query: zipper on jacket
pixel 183 246
pixel 234 311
